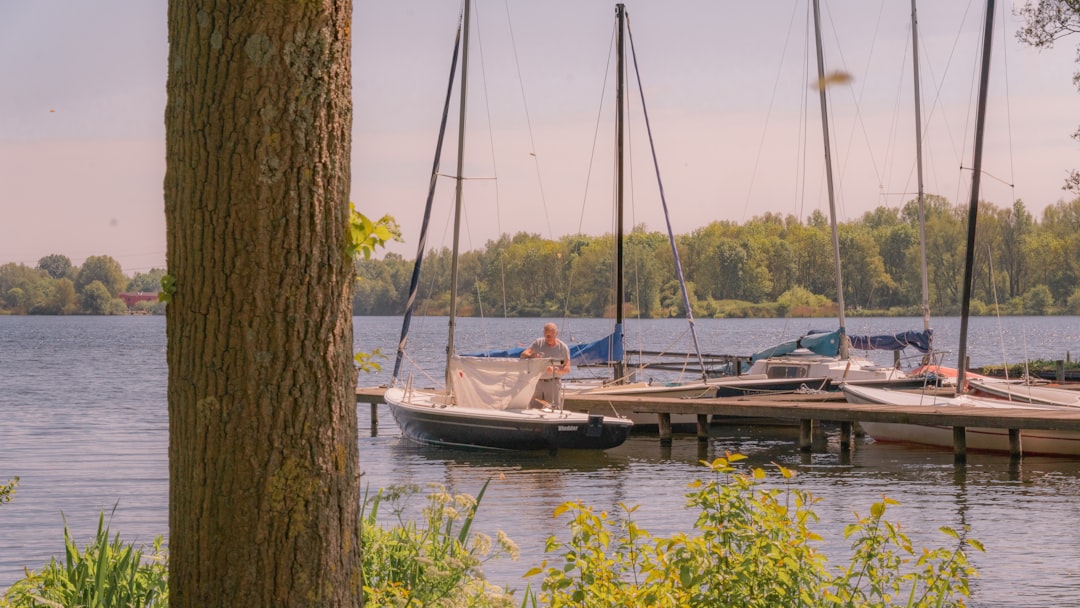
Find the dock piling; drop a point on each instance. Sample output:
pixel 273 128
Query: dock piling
pixel 1015 447
pixel 959 436
pixel 664 422
pixel 845 436
pixel 806 434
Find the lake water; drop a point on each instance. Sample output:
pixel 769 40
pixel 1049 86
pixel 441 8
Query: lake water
pixel 83 423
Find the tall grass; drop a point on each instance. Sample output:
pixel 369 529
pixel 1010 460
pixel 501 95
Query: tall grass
pixel 104 574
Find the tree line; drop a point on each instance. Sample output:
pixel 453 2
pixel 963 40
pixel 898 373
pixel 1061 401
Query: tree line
pixel 55 286
pixel 772 265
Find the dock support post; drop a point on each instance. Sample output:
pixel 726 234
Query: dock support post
pixel 959 438
pixel 806 435
pixel 1060 370
pixel 703 427
pixel 845 436
pixel 664 423
pixel 374 419
pixel 1015 447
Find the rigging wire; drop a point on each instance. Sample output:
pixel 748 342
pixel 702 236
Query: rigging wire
pixel 528 120
pixel 768 113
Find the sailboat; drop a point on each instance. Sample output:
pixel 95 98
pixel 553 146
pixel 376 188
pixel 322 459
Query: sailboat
pixel 827 353
pixel 1025 391
pixel 485 402
pixel 608 350
pixel 1054 443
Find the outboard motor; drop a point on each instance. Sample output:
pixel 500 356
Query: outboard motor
pixel 595 427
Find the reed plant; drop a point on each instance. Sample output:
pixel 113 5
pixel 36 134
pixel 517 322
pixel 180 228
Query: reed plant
pixel 106 573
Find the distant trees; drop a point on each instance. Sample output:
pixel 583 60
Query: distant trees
pixel 55 286
pixel 770 266
pixel 104 269
pixel 764 267
pixel 58 266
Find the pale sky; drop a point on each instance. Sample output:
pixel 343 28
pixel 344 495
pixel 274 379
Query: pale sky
pixel 736 124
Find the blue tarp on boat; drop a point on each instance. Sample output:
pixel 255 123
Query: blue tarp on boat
pixel 606 350
pixel 823 343
pixel 919 340
pixel 827 343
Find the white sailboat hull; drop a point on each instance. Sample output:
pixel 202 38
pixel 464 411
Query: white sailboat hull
pixel 1027 393
pixel 1051 443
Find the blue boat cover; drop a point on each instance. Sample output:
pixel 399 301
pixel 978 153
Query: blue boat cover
pixel 606 350
pixel 827 343
pixel 823 343
pixel 919 340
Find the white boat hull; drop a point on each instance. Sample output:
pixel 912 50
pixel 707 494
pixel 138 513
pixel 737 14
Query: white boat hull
pixel 1051 443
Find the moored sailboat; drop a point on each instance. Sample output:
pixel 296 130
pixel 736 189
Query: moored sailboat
pixel 1055 443
pixel 485 402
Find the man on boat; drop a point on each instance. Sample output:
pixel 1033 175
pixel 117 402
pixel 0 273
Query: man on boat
pixel 548 389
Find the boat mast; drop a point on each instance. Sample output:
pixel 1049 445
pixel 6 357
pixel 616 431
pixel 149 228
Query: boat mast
pixel 919 167
pixel 414 281
pixel 829 179
pixel 973 205
pixel 620 77
pixel 457 196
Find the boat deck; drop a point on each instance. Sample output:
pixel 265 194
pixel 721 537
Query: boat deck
pixel 808 410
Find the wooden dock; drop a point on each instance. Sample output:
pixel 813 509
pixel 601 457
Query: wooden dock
pixel 808 410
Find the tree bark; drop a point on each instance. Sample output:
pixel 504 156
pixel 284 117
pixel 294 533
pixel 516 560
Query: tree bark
pixel 263 453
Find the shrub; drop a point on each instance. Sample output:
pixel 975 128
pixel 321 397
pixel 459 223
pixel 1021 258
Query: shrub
pixel 751 547
pixel 435 563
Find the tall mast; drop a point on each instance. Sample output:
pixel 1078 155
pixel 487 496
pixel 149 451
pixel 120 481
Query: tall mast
pixel 829 179
pixel 919 166
pixel 973 206
pixel 457 195
pixel 620 77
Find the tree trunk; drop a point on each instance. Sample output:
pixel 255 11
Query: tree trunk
pixel 263 453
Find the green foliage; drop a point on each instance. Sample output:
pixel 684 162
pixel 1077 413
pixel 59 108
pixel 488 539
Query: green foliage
pixel 366 361
pixel 1073 304
pixel 735 271
pixel 800 302
pixel 432 563
pixel 58 266
pixel 367 235
pixel 752 546
pixel 7 490
pixel 96 298
pixel 1038 300
pixel 104 269
pixel 102 575
pixel 146 282
pixel 168 288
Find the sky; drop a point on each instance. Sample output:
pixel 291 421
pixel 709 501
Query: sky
pixel 734 120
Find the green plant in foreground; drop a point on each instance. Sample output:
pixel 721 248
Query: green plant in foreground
pixel 752 546
pixel 104 574
pixel 7 490
pixel 434 563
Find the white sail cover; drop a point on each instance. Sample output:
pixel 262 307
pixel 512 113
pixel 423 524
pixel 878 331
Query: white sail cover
pixel 497 384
